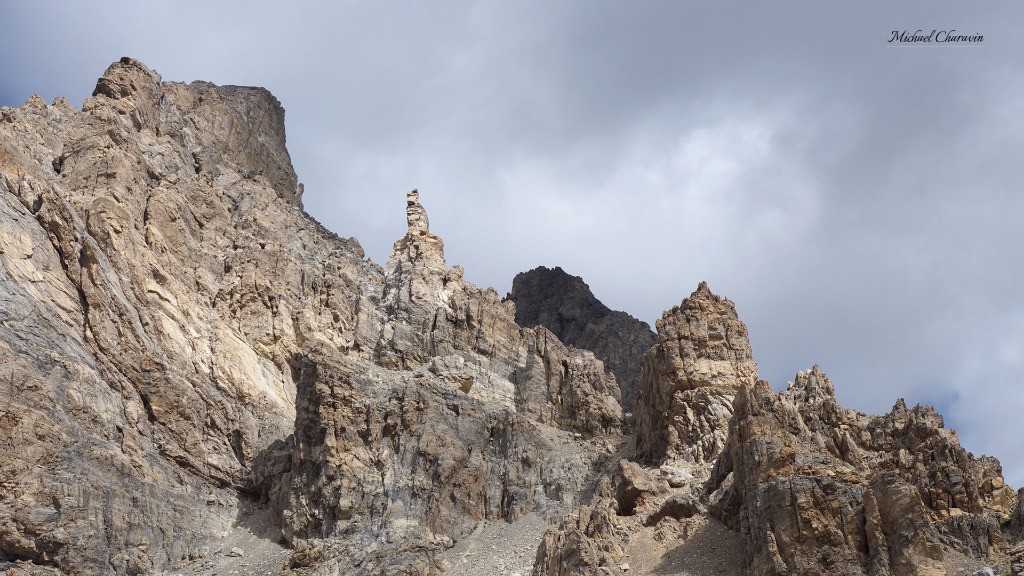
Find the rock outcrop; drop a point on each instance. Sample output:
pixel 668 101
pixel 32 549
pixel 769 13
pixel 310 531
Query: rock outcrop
pixel 181 344
pixel 564 304
pixel 157 275
pixel 433 319
pixel 455 418
pixel 689 377
pixel 164 294
pixel 382 460
pixel 817 488
pixel 585 543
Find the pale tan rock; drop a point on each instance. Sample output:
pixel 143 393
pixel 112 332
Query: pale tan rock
pixel 179 339
pixel 434 319
pixel 157 275
pixel 584 544
pixel 814 486
pixel 685 391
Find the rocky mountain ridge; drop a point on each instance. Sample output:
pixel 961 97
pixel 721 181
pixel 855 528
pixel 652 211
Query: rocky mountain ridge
pixel 186 354
pixel 564 304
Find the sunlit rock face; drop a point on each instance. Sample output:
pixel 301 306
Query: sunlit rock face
pixel 180 344
pixel 162 291
pixel 812 485
pixel 689 377
pixel 157 275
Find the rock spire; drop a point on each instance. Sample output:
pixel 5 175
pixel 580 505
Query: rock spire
pixel 689 377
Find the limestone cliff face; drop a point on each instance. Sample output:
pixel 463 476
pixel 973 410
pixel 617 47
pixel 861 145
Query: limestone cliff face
pixel 383 459
pixel 164 294
pixel 689 377
pixel 179 341
pixel 809 486
pixel 564 304
pixel 453 419
pixel 151 302
pixel 433 319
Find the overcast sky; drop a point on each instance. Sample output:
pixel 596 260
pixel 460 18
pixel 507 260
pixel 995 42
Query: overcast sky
pixel 859 202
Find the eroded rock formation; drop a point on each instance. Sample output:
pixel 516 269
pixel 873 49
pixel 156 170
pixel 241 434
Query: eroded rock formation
pixel 689 377
pixel 162 291
pixel 814 486
pixel 455 418
pixel 564 304
pixel 151 301
pixel 181 344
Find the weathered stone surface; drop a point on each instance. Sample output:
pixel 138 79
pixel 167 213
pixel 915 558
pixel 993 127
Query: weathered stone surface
pixel 178 339
pixel 564 304
pixel 817 488
pixel 584 544
pixel 636 487
pixel 701 359
pixel 150 301
pixel 447 422
pixel 1016 554
pixel 434 319
pixel 161 284
pixel 400 454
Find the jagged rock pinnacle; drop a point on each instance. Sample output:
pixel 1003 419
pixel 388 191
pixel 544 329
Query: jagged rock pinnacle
pixel 689 377
pixel 416 215
pixel 181 341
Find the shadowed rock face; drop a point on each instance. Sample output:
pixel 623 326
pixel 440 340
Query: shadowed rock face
pixel 565 305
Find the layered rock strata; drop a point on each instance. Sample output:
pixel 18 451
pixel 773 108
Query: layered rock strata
pixel 180 342
pixel 817 488
pixel 689 377
pixel 388 467
pixel 151 300
pixel 564 304
pixel 809 487
pixel 455 418
pixel 435 320
pixel 162 289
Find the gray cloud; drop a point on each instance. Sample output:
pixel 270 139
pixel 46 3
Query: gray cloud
pixel 859 202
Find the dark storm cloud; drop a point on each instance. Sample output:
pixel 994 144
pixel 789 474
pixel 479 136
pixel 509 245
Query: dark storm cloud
pixel 858 201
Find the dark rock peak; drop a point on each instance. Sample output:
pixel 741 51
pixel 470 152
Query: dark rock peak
pixel 564 304
pixel 548 290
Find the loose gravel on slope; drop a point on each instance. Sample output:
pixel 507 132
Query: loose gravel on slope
pixel 497 548
pixel 255 539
